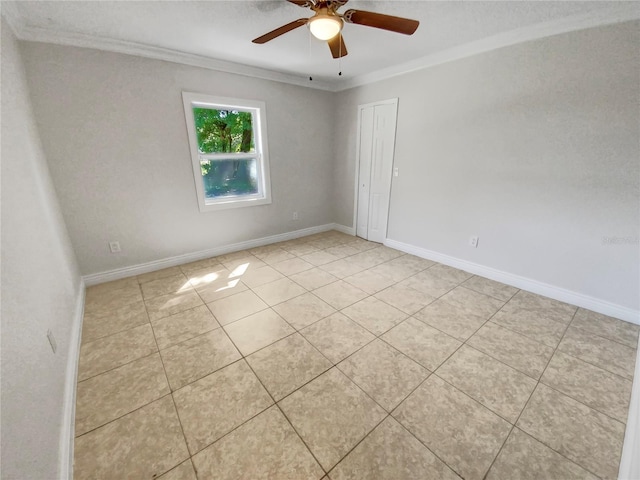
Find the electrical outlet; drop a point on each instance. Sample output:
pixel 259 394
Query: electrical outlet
pixel 473 241
pixel 52 341
pixel 114 247
pixel 295 215
pixel 395 171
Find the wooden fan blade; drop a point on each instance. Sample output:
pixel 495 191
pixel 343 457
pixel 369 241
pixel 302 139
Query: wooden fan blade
pixel 379 20
pixel 337 46
pixel 302 3
pixel 280 31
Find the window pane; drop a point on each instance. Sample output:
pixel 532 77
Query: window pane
pixel 226 178
pixel 224 131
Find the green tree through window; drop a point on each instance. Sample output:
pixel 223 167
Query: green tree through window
pixel 226 131
pixel 223 131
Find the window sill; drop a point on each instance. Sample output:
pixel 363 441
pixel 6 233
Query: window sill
pixel 233 203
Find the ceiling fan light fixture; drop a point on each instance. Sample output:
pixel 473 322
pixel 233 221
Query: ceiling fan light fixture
pixel 325 27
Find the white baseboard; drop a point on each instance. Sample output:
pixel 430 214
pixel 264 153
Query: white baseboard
pixel 67 435
pixel 630 461
pixel 139 269
pixel 551 291
pixel 343 229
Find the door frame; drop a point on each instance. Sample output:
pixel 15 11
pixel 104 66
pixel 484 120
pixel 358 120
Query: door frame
pixel 356 184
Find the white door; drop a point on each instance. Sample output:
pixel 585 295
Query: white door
pixel 377 137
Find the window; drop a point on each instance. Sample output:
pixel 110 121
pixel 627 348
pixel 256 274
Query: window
pixel 227 138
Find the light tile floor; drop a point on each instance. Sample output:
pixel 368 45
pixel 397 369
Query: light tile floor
pixel 329 357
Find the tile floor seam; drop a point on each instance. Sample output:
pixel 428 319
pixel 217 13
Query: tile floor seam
pixel 328 472
pixel 405 354
pixel 582 403
pixel 516 333
pixel 488 294
pixel 191 455
pixel 171 292
pixel 317 350
pixel 276 404
pixel 337 241
pixel 501 361
pixel 359 387
pixel 120 416
pixel 423 443
pixel 489 355
pixel 516 427
pixel 117 367
pixel 141 299
pixel 119 331
pixel 175 406
pixel 352 353
pixel 237 319
pixel 205 375
pixel 442 331
pixel 600 367
pixel 179 313
pixel 472 398
pixel 114 333
pixel 582 329
pixel 280 303
pixel 190 338
pixel 585 361
pixel 266 346
pixel 242 358
pixel 515 424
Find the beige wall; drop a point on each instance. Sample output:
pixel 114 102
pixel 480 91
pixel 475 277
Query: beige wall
pixel 535 148
pixel 40 291
pixel 114 129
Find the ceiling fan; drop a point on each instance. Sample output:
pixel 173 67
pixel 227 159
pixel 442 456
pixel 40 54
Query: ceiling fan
pixel 326 23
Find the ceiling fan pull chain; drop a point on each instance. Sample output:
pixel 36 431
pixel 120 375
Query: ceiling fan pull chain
pixel 309 51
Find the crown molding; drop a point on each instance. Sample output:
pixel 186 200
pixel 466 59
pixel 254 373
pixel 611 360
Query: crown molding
pixel 37 34
pixel 615 13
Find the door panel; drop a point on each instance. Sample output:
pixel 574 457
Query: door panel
pixel 376 200
pixel 381 170
pixel 376 149
pixel 364 175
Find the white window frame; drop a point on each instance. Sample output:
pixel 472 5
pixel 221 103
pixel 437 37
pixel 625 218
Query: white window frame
pixel 259 126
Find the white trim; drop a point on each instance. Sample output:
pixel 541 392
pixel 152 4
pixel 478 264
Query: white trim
pixel 67 434
pixel 615 13
pixel 356 183
pixel 389 101
pixel 630 461
pixel 96 278
pixel 344 229
pixel 551 291
pixel 38 34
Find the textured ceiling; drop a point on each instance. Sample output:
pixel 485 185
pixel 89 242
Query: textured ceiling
pixel 223 30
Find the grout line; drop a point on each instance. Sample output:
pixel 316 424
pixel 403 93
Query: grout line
pixel 514 425
pixel 551 387
pixel 122 416
pixel 315 241
pixel 119 331
pixel 387 415
pixel 600 367
pixel 277 406
pixel 119 366
pixel 175 406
